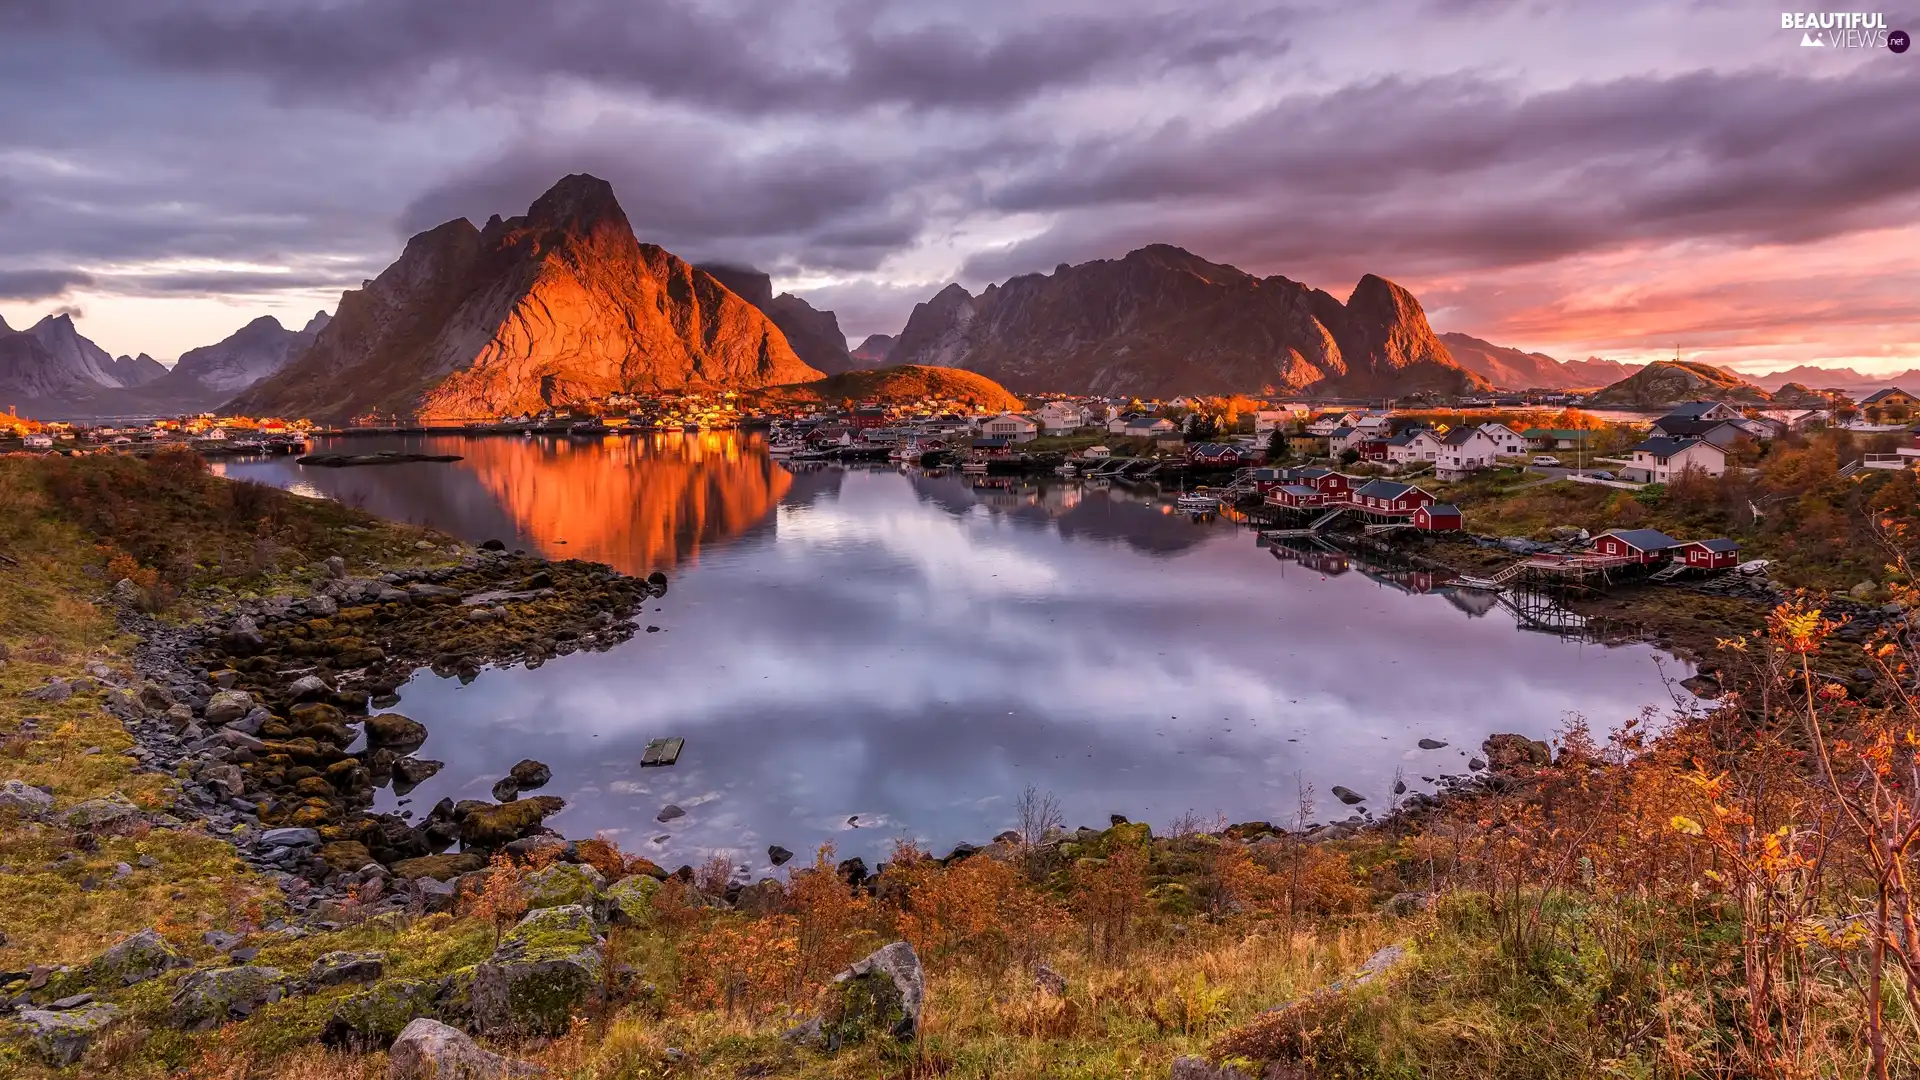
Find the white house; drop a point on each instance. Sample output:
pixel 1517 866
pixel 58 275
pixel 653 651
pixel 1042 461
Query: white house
pixel 1703 410
pixel 1344 438
pixel 1060 417
pixel 38 441
pixel 215 434
pixel 1096 453
pixel 1411 447
pixel 1144 427
pixel 1506 441
pixel 1266 420
pixel 1464 450
pixel 1010 426
pixel 1657 461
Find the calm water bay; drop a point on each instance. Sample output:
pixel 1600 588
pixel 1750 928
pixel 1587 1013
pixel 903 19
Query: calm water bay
pixel 853 656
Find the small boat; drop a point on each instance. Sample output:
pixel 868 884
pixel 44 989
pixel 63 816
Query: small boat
pixel 692 427
pixel 974 467
pixel 784 449
pixel 1067 470
pixel 1197 503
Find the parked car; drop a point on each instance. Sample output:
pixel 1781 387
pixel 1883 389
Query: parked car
pixel 1545 459
pixel 1602 474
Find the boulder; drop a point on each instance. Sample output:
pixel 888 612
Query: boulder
pixel 630 900
pixel 134 959
pixel 544 971
pixel 24 799
pixel 210 997
pixel 290 838
pixel 340 968
pixel 392 729
pixel 489 826
pixel 506 789
pixel 561 884
pixel 1508 752
pixel 763 897
pixel 62 1037
pixel 430 1050
pixel 373 1018
pixel 1348 795
pixel 413 770
pixel 96 814
pixel 530 774
pixel 310 687
pixel 778 855
pixel 227 705
pixel 878 997
pixel 345 856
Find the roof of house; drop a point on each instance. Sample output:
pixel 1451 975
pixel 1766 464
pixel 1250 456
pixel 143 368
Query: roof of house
pixel 1689 427
pixel 1553 433
pixel 1341 432
pixel 1878 395
pixel 1671 447
pixel 1405 438
pixel 1718 543
pixel 1384 489
pixel 1298 491
pixel 1642 539
pixel 1460 436
pixel 1442 510
pixel 1311 472
pixel 1694 410
pixel 990 444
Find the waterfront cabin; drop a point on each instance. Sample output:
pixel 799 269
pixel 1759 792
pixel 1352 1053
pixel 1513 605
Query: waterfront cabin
pixel 1295 497
pixel 1012 427
pixel 38 441
pixel 1643 546
pixel 1716 554
pixel 1062 417
pixel 1657 461
pixel 1333 485
pixel 868 419
pixel 1555 438
pixel 1216 455
pixel 1439 517
pixel 1389 498
pixel 996 447
pixel 1096 453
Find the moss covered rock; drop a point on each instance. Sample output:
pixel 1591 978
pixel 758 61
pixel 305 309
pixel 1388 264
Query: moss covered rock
pixel 566 883
pixel 134 959
pixel 544 971
pixel 877 998
pixel 371 1019
pixel 345 856
pixel 493 825
pixel 213 996
pixel 630 900
pixel 392 729
pixel 338 968
pixel 62 1037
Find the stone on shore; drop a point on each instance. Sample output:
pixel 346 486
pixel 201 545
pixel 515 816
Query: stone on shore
pixel 630 900
pixel 879 997
pixel 373 1018
pixel 544 971
pixel 561 884
pixel 24 799
pixel 340 968
pixel 392 729
pixel 489 826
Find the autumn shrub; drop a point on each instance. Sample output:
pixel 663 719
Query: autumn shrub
pixel 1108 898
pixel 980 911
pixel 834 923
pixel 740 965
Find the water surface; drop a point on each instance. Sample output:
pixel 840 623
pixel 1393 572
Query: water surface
pixel 855 656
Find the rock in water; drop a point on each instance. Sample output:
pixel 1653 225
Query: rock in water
pixel 543 972
pixel 430 1050
pixel 560 306
pixel 530 774
pixel 1348 795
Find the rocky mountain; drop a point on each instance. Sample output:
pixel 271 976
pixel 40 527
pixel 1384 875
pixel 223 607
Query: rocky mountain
pixel 901 386
pixel 30 375
pixel 1854 384
pixel 558 306
pixel 873 351
pixel 137 370
pixel 249 354
pixel 1670 382
pixel 1512 369
pixel 1163 321
pixel 814 335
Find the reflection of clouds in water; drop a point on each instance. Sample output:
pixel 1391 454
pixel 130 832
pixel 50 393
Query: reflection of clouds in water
pixel 893 650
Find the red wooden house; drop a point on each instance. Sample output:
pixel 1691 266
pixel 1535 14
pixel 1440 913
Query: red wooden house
pixel 1295 496
pixel 1438 517
pixel 1715 554
pixel 1333 485
pixel 1389 497
pixel 1643 546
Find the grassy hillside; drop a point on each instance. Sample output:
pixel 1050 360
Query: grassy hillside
pixel 902 385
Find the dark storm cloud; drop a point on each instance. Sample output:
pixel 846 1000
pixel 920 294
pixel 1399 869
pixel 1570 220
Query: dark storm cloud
pixel 1464 172
pixel 39 284
pixel 750 58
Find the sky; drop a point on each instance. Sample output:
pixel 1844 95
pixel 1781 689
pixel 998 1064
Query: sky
pixel 1628 179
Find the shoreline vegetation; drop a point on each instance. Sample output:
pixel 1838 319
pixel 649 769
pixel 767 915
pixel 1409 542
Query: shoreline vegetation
pixel 191 885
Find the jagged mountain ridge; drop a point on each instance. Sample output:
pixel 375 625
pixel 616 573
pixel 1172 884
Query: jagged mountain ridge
pixel 558 306
pixel 1512 369
pixel 873 351
pixel 813 334
pixel 1163 321
pixel 139 370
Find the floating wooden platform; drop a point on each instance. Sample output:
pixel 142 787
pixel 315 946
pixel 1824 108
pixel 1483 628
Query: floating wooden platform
pixel 661 752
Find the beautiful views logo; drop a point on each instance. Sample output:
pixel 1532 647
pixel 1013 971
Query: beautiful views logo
pixel 1844 30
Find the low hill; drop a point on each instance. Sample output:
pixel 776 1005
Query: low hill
pixel 1670 382
pixel 899 386
pixel 1512 369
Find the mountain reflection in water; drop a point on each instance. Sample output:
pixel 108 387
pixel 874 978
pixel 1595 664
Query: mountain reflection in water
pixel 857 655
